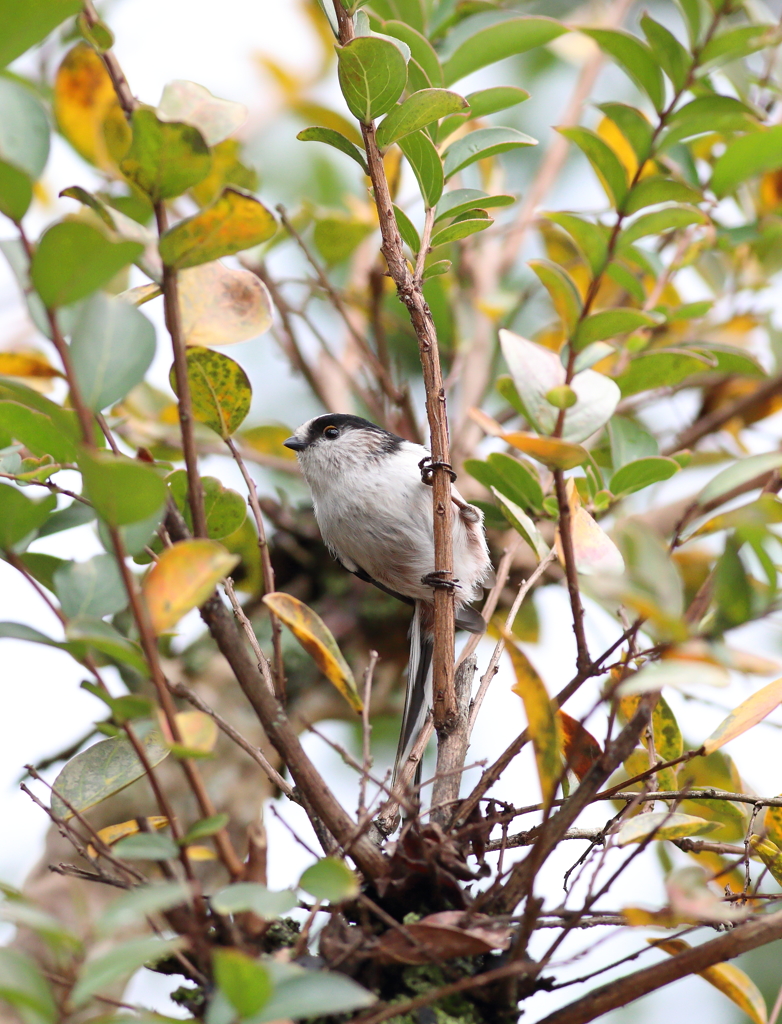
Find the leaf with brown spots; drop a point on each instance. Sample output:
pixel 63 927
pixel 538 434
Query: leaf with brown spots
pixel 219 388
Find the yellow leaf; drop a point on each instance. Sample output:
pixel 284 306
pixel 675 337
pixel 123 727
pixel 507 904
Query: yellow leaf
pixel 747 714
pixel 268 441
pixel 198 733
pixel 730 980
pixel 639 917
pixel 222 306
pixel 219 388
pixel 772 822
pixel 668 742
pixel 664 825
pixel 26 364
pixel 595 552
pixel 84 101
pixel 201 853
pixel 113 833
pixel 769 853
pixel 541 719
pixel 183 578
pixel 614 138
pixel 551 451
pixel 316 639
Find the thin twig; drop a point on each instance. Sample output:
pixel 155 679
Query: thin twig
pixel 366 735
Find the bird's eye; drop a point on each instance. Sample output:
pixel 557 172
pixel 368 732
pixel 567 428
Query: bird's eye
pixel 331 433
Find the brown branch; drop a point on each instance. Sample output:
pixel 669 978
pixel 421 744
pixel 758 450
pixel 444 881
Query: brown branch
pixel 127 100
pixel 173 318
pixel 571 573
pixel 268 571
pixel 410 293
pixel 452 748
pixel 622 991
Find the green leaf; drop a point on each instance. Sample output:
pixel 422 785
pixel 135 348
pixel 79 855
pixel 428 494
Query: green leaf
pixel 20 515
pixel 733 592
pixel 650 191
pixel 672 57
pixel 225 510
pixel 634 476
pixel 417 111
pixel 24 126
pixel 629 442
pixel 73 259
pixel 244 982
pixel 102 770
pixel 337 237
pixel 205 828
pixel 132 907
pixel 707 114
pixel 460 200
pixel 426 164
pixel 16 191
pixel 372 75
pixel 219 388
pixel 739 473
pixel 331 880
pixel 105 971
pixel 23 986
pixel 563 291
pixel 513 478
pixel 407 230
pixel 337 140
pixel 609 323
pixel 479 145
pixel 147 846
pixel 300 994
pixel 28 23
pixel 423 53
pixel 633 125
pixel 606 164
pixel 122 490
pixel 747 157
pixel 663 825
pixel 165 158
pixel 42 567
pixel 461 229
pixel 634 57
pixel 663 368
pixel 669 219
pixel 737 42
pixel 38 431
pixel 522 524
pixel 504 39
pixel 436 269
pixel 112 347
pixel 233 222
pixel 73 515
pixel 90 633
pixel 252 896
pixel 93 588
pixel 590 238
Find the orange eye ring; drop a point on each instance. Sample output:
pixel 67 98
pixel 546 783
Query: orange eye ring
pixel 331 432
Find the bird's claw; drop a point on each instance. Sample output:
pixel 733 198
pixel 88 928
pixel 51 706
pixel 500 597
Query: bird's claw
pixel 428 466
pixel 440 580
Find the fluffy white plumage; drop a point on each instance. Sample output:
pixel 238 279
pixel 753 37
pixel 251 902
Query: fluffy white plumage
pixel 375 514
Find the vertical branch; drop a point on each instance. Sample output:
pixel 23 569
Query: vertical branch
pixel 410 293
pixel 452 749
pixel 170 289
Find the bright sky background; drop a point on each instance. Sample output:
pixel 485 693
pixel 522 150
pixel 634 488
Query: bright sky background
pixel 43 708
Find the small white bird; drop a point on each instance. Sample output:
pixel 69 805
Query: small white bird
pixel 374 510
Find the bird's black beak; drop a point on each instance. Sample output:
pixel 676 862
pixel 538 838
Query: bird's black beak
pixel 294 444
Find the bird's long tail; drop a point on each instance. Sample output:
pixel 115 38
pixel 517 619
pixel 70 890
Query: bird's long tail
pixel 418 698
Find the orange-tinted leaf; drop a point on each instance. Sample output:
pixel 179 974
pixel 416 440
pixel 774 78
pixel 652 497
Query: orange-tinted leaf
pixel 316 639
pixel 183 578
pixel 551 451
pixel 268 440
pixel 198 733
pixel 84 101
pixel 222 306
pixel 113 833
pixel 541 720
pixel 639 917
pixel 233 222
pixel 747 714
pixel 595 552
pixel 731 981
pixel 580 747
